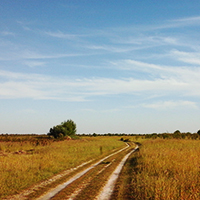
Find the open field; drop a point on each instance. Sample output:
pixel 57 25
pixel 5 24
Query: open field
pixel 24 163
pixel 90 185
pixel 163 169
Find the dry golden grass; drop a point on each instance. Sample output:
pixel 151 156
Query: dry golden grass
pixel 23 165
pixel 167 170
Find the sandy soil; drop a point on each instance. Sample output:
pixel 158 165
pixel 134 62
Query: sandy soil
pixel 106 192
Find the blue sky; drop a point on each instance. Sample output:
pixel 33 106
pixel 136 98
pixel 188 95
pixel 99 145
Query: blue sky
pixel 112 66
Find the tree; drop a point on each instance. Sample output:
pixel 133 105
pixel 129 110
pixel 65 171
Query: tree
pixel 70 127
pixel 198 132
pixel 177 134
pixel 66 128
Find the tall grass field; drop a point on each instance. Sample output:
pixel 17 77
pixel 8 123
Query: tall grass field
pixel 165 170
pixel 24 163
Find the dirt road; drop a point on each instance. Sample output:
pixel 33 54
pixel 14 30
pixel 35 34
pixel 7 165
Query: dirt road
pixel 96 181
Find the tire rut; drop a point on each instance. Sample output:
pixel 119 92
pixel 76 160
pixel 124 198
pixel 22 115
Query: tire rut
pixel 50 194
pixel 97 183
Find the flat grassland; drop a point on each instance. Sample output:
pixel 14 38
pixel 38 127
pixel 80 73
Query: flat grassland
pixel 27 161
pixel 163 169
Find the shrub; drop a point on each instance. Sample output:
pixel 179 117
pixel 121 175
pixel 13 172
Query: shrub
pixel 66 128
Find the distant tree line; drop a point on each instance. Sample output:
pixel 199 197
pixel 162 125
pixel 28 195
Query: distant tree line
pixel 177 135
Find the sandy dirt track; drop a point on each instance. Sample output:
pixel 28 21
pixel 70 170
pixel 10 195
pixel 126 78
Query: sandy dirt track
pixel 54 191
pixel 106 192
pixel 101 176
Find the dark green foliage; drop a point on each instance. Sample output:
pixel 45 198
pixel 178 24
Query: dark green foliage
pixel 177 132
pixel 176 135
pixel 94 134
pixel 126 140
pixel 70 127
pixel 66 128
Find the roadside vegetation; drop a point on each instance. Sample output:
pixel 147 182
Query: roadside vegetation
pixel 27 162
pixel 162 169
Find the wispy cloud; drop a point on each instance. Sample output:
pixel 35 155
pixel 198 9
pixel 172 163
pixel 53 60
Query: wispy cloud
pixel 60 34
pixel 125 44
pixel 111 48
pixel 26 25
pixel 141 30
pixel 7 33
pixel 171 105
pixel 176 23
pixel 147 40
pixel 158 78
pixel 163 70
pixel 102 111
pixel 32 63
pixel 187 21
pixel 21 54
pixel 172 78
pixel 114 40
pixel 34 55
pixel 170 81
pixel 187 57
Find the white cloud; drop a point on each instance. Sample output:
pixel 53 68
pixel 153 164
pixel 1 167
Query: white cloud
pixel 60 34
pixel 147 41
pixel 111 48
pixel 181 74
pixel 188 21
pixel 176 23
pixel 33 63
pixel 119 43
pixel 187 57
pixel 7 33
pixel 171 105
pixel 35 86
pixel 13 89
pixel 15 76
pixel 160 79
pixel 27 54
pixel 101 111
pixel 175 78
